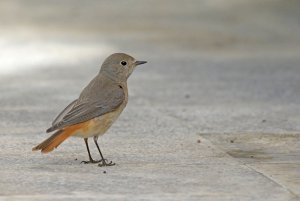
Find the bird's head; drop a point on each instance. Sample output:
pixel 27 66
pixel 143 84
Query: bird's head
pixel 119 66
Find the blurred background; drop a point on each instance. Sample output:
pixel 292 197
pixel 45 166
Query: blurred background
pixel 217 56
pixel 218 72
pixel 39 33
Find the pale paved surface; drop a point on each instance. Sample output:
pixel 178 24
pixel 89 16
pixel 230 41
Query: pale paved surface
pixel 214 115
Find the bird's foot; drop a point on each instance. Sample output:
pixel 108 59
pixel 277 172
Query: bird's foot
pixel 105 162
pixel 91 161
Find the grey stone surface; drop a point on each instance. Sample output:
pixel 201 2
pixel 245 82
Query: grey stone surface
pixel 214 115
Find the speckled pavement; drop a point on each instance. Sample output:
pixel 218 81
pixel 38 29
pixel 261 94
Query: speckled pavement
pixel 214 115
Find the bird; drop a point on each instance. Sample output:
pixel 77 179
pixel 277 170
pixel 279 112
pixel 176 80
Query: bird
pixel 95 110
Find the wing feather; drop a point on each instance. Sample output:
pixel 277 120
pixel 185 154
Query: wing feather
pixel 88 108
pixel 64 112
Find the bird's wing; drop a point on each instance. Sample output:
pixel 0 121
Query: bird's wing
pixel 64 112
pixel 89 108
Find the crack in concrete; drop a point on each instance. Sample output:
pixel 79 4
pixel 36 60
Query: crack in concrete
pixel 192 127
pixel 274 181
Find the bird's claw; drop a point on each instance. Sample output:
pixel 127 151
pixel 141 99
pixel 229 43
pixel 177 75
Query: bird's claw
pixel 89 162
pixel 105 162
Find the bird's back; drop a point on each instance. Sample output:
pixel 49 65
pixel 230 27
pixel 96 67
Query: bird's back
pixel 101 96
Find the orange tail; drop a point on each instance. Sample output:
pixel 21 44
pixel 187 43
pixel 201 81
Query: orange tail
pixel 53 141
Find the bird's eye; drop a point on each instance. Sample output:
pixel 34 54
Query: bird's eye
pixel 123 63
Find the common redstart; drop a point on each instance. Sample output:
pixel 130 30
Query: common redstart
pixel 98 106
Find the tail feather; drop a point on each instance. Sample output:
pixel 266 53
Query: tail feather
pixel 53 141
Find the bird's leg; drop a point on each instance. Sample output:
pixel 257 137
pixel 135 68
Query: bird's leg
pixel 103 161
pixel 91 160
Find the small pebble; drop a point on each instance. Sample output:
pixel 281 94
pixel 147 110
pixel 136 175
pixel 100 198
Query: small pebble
pixel 104 172
pixel 198 141
pixel 252 156
pixel 264 121
pixel 187 96
pixel 231 141
pixel 75 159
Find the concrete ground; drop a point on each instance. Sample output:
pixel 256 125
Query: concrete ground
pixel 214 115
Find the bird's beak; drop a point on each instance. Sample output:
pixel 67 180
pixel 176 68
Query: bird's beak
pixel 139 62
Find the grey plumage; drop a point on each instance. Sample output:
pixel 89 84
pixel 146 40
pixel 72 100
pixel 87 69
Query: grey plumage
pixel 97 108
pixel 64 112
pixel 91 104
